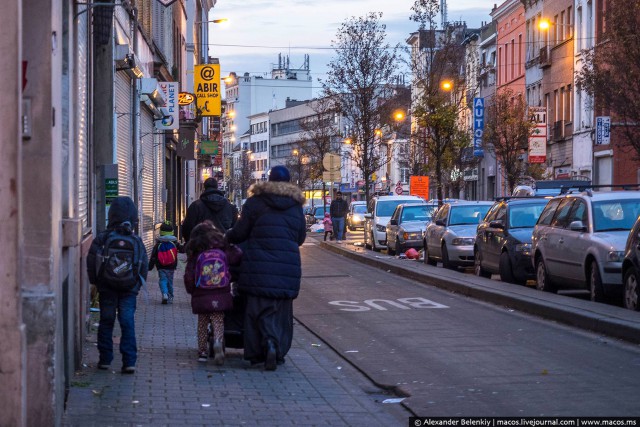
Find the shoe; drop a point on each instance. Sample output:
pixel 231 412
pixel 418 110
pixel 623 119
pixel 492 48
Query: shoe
pixel 202 357
pixel 128 370
pixel 165 298
pixel 218 353
pixel 270 362
pixel 104 366
pixel 171 299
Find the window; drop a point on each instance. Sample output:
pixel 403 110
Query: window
pixel 561 219
pixel 579 212
pixel 547 214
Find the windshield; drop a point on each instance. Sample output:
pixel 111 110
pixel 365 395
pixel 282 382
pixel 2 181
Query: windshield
pixel 319 212
pixel 525 216
pixel 615 215
pixel 386 208
pixel 416 213
pixel 467 215
pixel 360 209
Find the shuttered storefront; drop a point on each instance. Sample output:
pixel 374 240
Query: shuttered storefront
pixel 123 134
pixel 147 173
pixel 82 105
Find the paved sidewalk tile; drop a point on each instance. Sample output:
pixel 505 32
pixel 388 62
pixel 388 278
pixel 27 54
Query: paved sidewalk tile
pixel 170 387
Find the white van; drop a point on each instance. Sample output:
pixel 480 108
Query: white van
pixel 377 217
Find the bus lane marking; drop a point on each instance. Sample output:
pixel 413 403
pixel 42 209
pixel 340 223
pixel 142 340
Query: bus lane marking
pixel 400 303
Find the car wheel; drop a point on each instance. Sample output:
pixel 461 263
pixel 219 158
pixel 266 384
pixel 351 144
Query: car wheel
pixel 506 272
pixel 595 283
pixel 543 282
pixel 477 265
pixel 398 250
pixel 390 251
pixel 428 260
pixel 446 263
pixel 631 291
pixel 373 243
pixel 367 244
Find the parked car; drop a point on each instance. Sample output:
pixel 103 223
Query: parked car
pixel 551 187
pixel 579 242
pixel 451 234
pixel 379 212
pixel 355 216
pixel 406 226
pixel 315 214
pixel 631 269
pixel 503 239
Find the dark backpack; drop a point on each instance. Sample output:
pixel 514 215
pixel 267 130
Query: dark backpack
pixel 167 254
pixel 212 271
pixel 118 260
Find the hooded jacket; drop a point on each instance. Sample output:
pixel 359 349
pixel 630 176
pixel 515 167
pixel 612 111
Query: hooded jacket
pixel 122 210
pixel 272 227
pixel 153 261
pixel 211 205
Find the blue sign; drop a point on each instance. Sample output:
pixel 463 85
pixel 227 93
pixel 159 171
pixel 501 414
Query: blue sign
pixel 478 126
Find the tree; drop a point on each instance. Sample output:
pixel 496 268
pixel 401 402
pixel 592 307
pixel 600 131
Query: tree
pixel 508 128
pixel 437 57
pixel 612 73
pixel 358 80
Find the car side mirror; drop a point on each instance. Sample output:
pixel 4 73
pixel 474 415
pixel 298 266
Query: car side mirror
pixel 368 216
pixel 441 222
pixel 393 222
pixel 496 224
pixel 577 226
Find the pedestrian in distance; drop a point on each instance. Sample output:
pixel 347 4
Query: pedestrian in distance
pixel 211 205
pixel 272 226
pixel 117 264
pixel 338 209
pixel 164 257
pixel 328 226
pixel 208 280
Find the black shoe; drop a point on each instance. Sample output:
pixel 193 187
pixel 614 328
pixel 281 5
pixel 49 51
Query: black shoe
pixel 270 362
pixel 128 370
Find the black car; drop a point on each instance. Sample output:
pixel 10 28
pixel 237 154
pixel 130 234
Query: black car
pixel 631 269
pixel 503 239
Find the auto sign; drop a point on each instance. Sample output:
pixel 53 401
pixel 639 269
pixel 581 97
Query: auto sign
pixel 185 98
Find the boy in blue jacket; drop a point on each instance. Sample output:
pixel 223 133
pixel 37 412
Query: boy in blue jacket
pixel 164 257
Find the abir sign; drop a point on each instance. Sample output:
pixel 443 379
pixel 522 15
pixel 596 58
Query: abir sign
pixel 478 126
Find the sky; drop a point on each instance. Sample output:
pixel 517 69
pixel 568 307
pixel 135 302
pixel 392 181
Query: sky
pixel 258 30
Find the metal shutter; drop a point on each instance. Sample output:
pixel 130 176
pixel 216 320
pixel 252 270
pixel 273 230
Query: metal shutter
pixel 123 134
pixel 147 173
pixel 160 184
pixel 82 104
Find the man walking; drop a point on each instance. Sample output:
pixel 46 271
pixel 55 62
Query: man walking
pixel 211 205
pixel 338 210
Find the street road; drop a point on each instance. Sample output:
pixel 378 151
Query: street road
pixel 455 356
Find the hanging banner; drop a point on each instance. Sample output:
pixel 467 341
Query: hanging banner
pixel 207 89
pixel 171 111
pixel 478 126
pixel 538 137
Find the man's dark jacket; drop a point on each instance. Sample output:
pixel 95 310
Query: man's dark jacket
pixel 122 209
pixel 211 205
pixel 339 208
pixel 272 227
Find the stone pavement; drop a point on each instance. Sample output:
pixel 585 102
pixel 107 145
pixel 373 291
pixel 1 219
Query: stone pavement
pixel 170 387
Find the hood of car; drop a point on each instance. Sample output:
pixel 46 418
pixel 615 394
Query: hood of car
pixel 464 230
pixel 612 240
pixel 412 226
pixel 523 235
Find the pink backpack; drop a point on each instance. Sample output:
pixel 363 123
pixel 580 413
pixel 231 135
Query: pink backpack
pixel 212 271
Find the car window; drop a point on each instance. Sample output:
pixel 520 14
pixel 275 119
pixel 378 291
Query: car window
pixel 501 214
pixel 443 213
pixel 547 214
pixel 525 216
pixel 359 209
pixel 416 213
pixel 579 212
pixel 614 215
pixel 396 213
pixel 561 218
pixel 492 212
pixel 467 214
pixel 386 207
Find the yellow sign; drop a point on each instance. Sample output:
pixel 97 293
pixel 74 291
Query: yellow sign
pixel 419 186
pixel 185 98
pixel 207 89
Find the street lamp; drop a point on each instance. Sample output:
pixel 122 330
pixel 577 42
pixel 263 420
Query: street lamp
pixel 447 85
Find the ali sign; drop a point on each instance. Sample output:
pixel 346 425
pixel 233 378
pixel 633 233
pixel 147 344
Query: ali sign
pixel 538 137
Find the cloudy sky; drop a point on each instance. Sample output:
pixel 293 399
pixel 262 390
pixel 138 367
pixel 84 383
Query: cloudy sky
pixel 259 30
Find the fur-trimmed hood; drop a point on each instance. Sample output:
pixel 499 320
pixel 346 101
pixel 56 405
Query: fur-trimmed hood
pixel 278 194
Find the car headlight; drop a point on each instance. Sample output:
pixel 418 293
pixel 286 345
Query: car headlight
pixel 525 248
pixel 356 218
pixel 411 236
pixel 381 228
pixel 615 256
pixel 463 241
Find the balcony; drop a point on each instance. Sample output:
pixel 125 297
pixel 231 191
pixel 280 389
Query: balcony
pixel 544 59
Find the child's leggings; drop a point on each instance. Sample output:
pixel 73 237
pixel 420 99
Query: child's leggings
pixel 217 320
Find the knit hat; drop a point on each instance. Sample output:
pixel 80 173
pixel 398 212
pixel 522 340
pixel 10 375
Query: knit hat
pixel 211 183
pixel 327 214
pixel 279 173
pixel 166 229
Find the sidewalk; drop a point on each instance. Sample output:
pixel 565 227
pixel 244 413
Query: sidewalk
pixel 170 387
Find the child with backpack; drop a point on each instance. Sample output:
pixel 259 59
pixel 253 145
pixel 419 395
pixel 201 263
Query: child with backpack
pixel 208 280
pixel 117 264
pixel 328 226
pixel 164 257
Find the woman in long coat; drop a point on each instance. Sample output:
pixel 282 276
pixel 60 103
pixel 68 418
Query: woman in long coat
pixel 272 226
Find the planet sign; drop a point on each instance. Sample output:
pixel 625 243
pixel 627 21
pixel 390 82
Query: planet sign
pixel 207 89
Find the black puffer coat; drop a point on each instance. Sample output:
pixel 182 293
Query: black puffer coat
pixel 211 205
pixel 273 227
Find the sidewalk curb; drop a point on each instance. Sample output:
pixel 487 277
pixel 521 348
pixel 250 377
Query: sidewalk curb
pixel 609 320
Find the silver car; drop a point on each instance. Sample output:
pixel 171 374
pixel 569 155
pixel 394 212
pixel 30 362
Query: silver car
pixel 406 226
pixel 579 242
pixel 451 234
